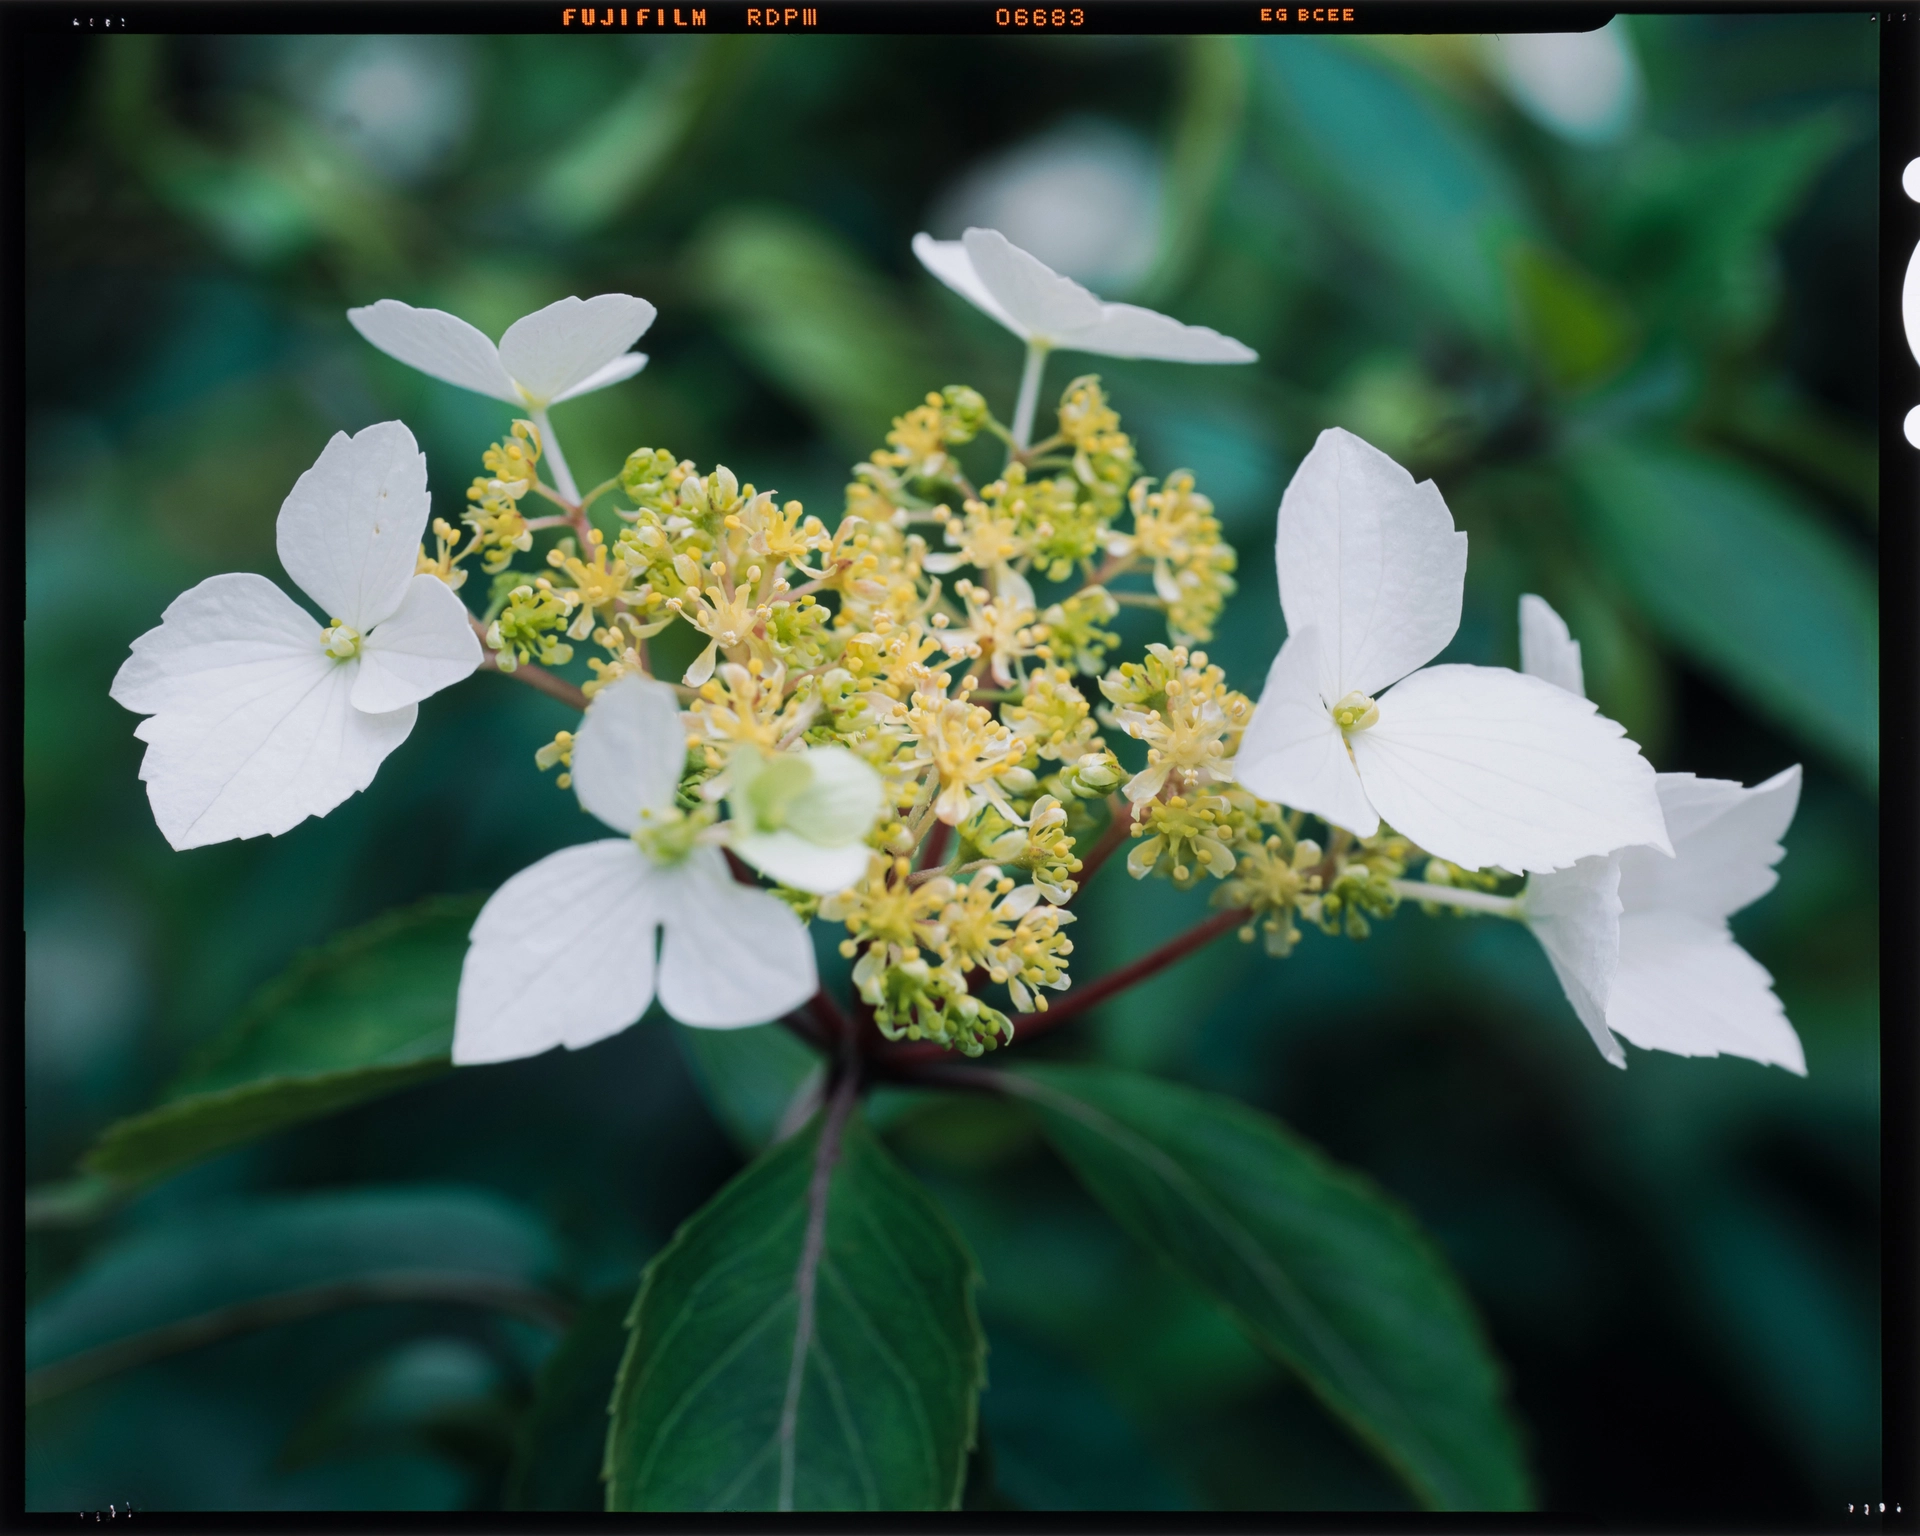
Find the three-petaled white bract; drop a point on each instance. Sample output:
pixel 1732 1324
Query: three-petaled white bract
pixel 553 354
pixel 564 952
pixel 257 717
pixel 1640 941
pixel 1045 309
pixel 1480 766
pixel 570 347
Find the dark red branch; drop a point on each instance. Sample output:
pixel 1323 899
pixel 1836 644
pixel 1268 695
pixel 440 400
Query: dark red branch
pixel 534 677
pixel 1119 828
pixel 826 1009
pixel 936 846
pixel 1092 995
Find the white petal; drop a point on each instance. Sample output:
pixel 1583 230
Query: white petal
pixel 1726 840
pixel 562 954
pixel 1369 559
pixel 629 751
pixel 840 803
pixel 1547 648
pixel 251 729
pixel 238 623
pixel 427 645
pixel 349 530
pixel 1685 986
pixel 1575 914
pixel 1041 302
pixel 1293 753
pixel 556 349
pixel 440 345
pixel 733 954
pixel 1126 330
pixel 1484 767
pixel 625 366
pixel 806 866
pixel 702 665
pixel 260 761
pixel 1012 590
pixel 948 261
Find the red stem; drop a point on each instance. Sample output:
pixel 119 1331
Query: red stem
pixel 936 846
pixel 1119 828
pixel 534 677
pixel 1096 992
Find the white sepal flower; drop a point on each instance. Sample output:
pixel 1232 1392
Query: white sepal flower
pixel 803 817
pixel 1640 941
pixel 257 716
pixel 564 952
pixel 567 349
pixel 1044 308
pixel 570 347
pixel 1479 765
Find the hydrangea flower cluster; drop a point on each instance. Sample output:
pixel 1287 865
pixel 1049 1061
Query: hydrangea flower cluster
pixel 914 722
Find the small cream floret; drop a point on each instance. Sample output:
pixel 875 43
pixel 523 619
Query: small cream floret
pixel 1355 712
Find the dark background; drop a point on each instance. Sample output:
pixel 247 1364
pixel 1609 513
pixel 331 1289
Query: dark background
pixel 1637 355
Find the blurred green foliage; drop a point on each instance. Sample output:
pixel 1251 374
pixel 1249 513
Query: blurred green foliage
pixel 1641 372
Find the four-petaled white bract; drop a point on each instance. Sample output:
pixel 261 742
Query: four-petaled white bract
pixel 1043 308
pixel 1479 765
pixel 563 953
pixel 257 717
pixel 553 354
pixel 1640 941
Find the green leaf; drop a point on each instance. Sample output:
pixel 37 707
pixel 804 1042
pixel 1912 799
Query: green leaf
pixel 366 1013
pixel 1318 1265
pixel 818 320
pixel 1747 582
pixel 211 1273
pixel 556 1464
pixel 634 140
pixel 1408 178
pixel 739 1393
pixel 752 1079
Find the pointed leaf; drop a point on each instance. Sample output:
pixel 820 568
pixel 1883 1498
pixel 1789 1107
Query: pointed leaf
pixel 1321 1268
pixel 368 1012
pixel 807 1341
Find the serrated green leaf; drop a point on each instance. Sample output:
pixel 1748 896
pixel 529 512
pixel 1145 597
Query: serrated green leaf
pixel 366 1013
pixel 734 1396
pixel 1748 583
pixel 1320 1267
